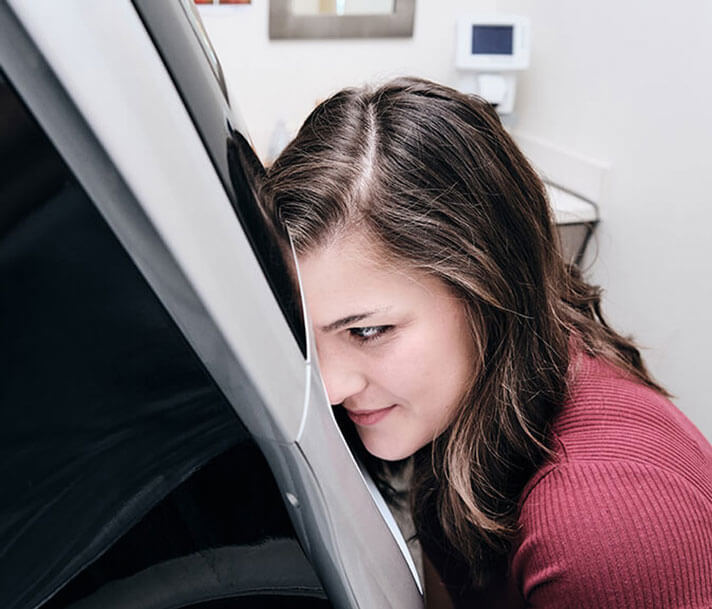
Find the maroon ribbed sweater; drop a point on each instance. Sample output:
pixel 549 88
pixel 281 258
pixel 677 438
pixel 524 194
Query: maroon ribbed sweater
pixel 622 517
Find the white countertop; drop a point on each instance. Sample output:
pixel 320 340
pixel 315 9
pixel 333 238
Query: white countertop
pixel 569 208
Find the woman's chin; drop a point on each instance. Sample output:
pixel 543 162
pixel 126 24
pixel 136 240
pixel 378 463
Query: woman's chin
pixel 388 451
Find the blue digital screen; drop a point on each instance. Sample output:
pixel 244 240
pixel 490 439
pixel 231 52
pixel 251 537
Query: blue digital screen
pixel 492 39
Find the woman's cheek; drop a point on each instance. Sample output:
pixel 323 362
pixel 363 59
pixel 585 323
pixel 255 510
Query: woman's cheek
pixel 407 367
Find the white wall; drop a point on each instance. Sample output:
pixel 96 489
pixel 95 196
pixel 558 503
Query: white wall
pixel 284 79
pixel 628 83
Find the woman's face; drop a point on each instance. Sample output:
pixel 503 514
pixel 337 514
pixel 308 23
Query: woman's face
pixel 394 347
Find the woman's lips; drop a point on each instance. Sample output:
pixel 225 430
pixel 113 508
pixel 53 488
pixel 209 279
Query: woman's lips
pixel 369 417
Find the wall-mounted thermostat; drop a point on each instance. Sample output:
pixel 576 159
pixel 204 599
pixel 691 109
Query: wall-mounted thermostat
pixel 493 47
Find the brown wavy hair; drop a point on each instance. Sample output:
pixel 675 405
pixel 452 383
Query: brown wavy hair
pixel 433 178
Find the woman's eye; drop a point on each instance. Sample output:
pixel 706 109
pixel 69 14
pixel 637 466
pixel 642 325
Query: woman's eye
pixel 369 333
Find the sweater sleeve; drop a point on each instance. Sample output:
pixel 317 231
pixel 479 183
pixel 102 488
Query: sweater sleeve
pixel 617 535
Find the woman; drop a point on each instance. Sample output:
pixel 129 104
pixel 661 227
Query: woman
pixel 550 469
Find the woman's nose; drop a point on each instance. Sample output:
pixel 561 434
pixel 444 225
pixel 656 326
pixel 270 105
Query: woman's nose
pixel 342 378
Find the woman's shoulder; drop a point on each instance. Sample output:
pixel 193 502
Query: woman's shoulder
pixel 625 505
pixel 596 533
pixel 611 418
pixel 612 423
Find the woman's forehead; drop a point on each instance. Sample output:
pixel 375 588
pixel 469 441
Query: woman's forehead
pixel 343 278
pixel 351 261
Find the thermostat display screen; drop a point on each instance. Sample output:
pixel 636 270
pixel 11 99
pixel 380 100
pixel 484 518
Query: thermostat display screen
pixel 492 39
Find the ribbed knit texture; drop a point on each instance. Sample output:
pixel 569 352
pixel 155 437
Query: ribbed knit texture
pixel 620 518
pixel 623 517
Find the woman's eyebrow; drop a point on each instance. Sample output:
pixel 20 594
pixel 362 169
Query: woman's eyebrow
pixel 349 319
